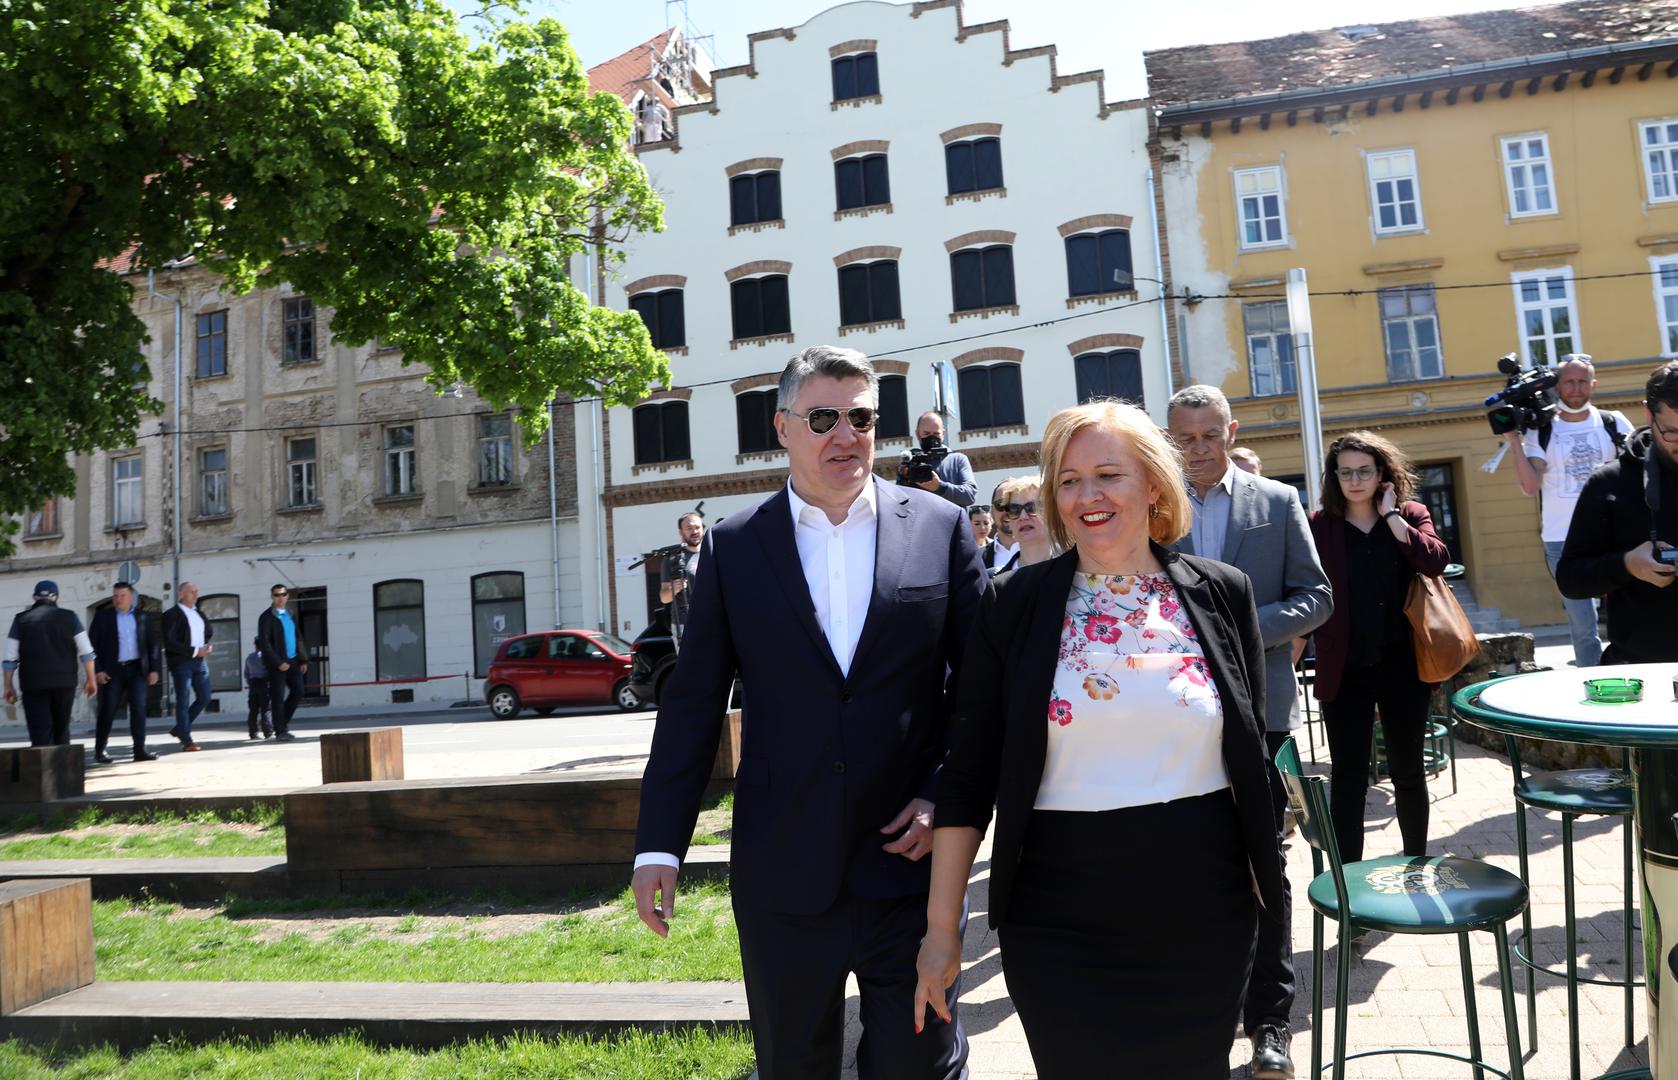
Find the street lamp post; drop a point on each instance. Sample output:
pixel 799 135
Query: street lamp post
pixel 1305 363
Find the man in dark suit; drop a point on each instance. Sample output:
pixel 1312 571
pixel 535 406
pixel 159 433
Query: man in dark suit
pixel 1259 527
pixel 842 602
pixel 279 637
pixel 127 660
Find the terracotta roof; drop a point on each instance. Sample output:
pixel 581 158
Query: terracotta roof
pixel 620 74
pixel 1346 55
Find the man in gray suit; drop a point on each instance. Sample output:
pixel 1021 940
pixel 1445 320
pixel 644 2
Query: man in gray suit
pixel 1258 526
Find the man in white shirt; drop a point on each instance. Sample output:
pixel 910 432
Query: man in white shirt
pixel 186 644
pixel 1554 462
pixel 843 603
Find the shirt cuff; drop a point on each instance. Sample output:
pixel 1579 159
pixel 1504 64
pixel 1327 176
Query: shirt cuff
pixel 657 858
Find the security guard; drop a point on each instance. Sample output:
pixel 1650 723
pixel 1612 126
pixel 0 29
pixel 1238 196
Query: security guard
pixel 47 643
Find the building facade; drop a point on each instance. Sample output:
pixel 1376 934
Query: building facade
pixel 1456 189
pixel 889 178
pixel 415 531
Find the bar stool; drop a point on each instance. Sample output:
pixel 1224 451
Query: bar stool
pixel 1401 895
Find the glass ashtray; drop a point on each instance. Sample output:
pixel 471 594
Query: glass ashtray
pixel 1613 691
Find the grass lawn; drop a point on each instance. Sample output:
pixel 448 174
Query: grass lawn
pixel 416 939
pixel 688 1056
pixel 93 833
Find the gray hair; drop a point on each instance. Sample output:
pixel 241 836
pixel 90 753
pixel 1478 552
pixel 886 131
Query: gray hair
pixel 828 361
pixel 1200 396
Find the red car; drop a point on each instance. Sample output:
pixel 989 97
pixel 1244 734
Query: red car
pixel 557 668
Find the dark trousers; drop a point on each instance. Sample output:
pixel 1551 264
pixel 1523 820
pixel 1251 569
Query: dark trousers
pixel 1271 986
pixel 195 676
pixel 1392 686
pixel 285 690
pixel 795 967
pixel 260 702
pixel 128 683
pixel 47 713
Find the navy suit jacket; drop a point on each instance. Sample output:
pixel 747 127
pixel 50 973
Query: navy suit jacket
pixel 103 634
pixel 827 759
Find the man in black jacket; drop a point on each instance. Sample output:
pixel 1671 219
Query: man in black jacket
pixel 1621 543
pixel 126 662
pixel 186 641
pixel 280 638
pixel 48 643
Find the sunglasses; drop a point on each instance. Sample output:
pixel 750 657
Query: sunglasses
pixel 280 593
pixel 825 419
pixel 1015 510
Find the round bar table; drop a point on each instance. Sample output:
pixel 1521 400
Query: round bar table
pixel 1552 705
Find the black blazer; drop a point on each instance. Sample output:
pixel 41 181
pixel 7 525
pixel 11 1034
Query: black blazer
pixel 999 739
pixel 270 639
pixel 827 759
pixel 177 636
pixel 103 634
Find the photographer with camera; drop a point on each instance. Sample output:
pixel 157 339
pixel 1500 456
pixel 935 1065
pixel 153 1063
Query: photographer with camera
pixel 1623 541
pixel 1553 459
pixel 935 467
pixel 677 570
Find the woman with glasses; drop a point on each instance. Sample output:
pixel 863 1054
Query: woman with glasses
pixel 1020 504
pixel 1373 541
pixel 1111 710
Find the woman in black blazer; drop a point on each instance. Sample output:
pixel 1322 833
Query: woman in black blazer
pixel 1111 709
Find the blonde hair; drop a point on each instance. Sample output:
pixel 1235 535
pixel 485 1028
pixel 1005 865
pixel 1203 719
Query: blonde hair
pixel 1173 515
pixel 1014 485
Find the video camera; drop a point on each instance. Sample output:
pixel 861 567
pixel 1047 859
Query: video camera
pixel 1527 401
pixel 920 465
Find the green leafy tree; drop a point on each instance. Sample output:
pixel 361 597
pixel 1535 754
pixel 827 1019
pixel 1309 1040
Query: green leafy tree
pixel 428 188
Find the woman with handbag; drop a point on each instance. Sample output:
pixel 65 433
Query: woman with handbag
pixel 1374 542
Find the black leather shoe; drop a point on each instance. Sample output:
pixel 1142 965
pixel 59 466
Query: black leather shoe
pixel 101 757
pixel 141 755
pixel 1270 1054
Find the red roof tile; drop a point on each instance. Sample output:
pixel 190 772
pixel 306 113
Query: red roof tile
pixel 620 74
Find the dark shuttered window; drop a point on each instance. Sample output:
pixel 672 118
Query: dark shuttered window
pixel 761 306
pixel 974 165
pixel 856 76
pixel 662 312
pixel 868 293
pixel 661 432
pixel 991 396
pixel 983 277
pixel 1116 374
pixel 862 181
pixel 1098 263
pixel 753 198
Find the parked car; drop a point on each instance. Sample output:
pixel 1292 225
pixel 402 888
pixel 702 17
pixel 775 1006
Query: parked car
pixel 555 668
pixel 653 655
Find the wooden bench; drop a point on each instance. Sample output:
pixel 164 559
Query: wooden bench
pixel 46 940
pixel 39 774
pixel 352 756
pixel 728 748
pixel 184 878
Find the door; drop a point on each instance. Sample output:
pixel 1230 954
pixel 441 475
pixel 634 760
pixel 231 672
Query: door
pixel 1438 492
pixel 572 671
pixel 309 606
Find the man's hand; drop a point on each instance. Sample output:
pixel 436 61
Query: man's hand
pixel 151 680
pixel 103 678
pixel 929 485
pixel 1641 564
pixel 11 696
pixel 916 843
pixel 303 667
pixel 285 667
pixel 1513 437
pixel 677 585
pixel 650 880
pixel 936 969
pixel 90 687
pixel 1298 648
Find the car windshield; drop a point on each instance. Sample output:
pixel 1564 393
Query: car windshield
pixel 616 644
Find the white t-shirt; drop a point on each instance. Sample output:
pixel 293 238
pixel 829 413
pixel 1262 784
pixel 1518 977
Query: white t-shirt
pixel 1576 448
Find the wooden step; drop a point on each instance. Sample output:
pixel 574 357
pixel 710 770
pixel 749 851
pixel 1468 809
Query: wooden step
pixel 176 879
pixel 131 1015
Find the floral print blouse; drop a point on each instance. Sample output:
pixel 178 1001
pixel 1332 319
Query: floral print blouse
pixel 1134 716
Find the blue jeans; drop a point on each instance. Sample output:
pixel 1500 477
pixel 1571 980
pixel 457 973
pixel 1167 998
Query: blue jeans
pixel 195 674
pixel 1581 615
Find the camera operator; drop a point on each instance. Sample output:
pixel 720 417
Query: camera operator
pixel 677 571
pixel 944 472
pixel 1553 461
pixel 1623 541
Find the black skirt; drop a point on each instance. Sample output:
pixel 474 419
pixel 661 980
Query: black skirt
pixel 1129 939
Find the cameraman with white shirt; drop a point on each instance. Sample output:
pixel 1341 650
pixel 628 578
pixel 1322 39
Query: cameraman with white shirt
pixel 1554 461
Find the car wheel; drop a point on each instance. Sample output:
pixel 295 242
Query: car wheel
pixel 625 698
pixel 504 702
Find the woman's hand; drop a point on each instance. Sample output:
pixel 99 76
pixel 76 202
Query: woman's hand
pixel 937 966
pixel 1386 498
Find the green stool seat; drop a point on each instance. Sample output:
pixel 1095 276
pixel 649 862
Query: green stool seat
pixel 1579 791
pixel 1436 895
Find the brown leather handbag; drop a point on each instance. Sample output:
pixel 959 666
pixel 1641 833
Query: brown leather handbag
pixel 1443 636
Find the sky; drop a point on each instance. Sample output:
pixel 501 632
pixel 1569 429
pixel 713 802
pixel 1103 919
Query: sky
pixel 1109 34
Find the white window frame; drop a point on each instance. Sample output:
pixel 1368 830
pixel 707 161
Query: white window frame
pixel 1275 340
pixel 1259 174
pixel 128 489
pixel 501 445
pixel 1665 293
pixel 219 505
pixel 1411 321
pixel 302 487
pixel 401 473
pixel 1521 277
pixel 1369 167
pixel 1667 149
pixel 1512 166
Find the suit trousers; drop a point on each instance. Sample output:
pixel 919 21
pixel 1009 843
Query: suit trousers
pixel 47 713
pixel 1270 989
pixel 128 683
pixel 795 967
pixel 285 691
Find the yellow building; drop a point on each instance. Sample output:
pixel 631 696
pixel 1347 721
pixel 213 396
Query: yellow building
pixel 1456 189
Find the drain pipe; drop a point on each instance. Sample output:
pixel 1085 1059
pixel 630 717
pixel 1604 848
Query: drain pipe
pixel 1159 275
pixel 175 512
pixel 553 510
pixel 596 470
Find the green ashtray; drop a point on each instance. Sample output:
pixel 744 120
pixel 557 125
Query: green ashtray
pixel 1613 691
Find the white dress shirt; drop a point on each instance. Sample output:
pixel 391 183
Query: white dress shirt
pixel 838 563
pixel 194 626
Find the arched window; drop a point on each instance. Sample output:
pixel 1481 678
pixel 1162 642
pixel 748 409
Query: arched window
pixel 663 313
pixel 973 165
pixel 868 293
pixel 399 629
pixel 1116 374
pixel 1098 262
pixel 497 613
pixel 991 396
pixel 856 76
pixel 761 306
pixel 661 432
pixel 893 422
pixel 755 414
pixel 982 277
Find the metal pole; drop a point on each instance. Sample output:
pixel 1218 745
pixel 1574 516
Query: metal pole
pixel 1305 362
pixel 1159 275
pixel 553 510
pixel 175 514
